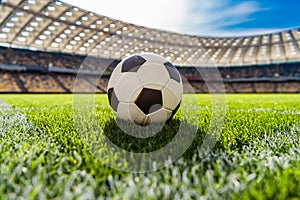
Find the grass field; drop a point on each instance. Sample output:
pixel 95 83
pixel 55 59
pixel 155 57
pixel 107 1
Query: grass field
pixel 257 155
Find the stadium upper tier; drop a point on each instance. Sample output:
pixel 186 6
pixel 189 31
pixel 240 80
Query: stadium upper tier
pixel 54 26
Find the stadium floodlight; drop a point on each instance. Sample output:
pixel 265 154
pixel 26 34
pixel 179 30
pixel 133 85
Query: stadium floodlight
pixel 3 35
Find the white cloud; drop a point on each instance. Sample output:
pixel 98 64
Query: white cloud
pixel 211 17
pixel 206 17
pixel 162 14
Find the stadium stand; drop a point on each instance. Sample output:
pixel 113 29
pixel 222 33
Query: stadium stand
pixel 44 44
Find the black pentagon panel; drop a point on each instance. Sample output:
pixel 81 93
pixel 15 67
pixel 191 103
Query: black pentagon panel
pixel 113 100
pixel 149 100
pixel 175 110
pixel 133 64
pixel 173 72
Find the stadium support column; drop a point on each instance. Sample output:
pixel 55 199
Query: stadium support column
pixel 275 86
pixel 20 83
pixel 253 87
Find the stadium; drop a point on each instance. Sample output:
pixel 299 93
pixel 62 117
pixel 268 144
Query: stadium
pixel 51 50
pixel 64 36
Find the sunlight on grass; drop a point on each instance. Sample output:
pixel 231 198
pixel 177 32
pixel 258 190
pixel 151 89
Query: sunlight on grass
pixel 257 155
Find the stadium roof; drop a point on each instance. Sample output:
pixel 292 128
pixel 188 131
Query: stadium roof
pixel 51 25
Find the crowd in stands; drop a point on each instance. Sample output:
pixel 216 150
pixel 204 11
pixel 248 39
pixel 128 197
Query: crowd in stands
pixel 262 71
pixel 254 87
pixel 17 82
pixel 8 83
pixel 37 81
pixel 22 57
pixel 36 58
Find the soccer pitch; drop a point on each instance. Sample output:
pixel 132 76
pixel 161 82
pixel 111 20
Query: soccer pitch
pixel 257 155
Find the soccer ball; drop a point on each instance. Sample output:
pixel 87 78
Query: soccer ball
pixel 145 88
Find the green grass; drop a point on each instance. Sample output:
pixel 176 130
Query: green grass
pixel 257 155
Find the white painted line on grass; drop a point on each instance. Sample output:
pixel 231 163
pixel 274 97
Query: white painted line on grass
pixel 13 121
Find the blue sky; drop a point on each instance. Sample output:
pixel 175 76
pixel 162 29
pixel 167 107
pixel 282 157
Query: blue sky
pixel 202 17
pixel 244 17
